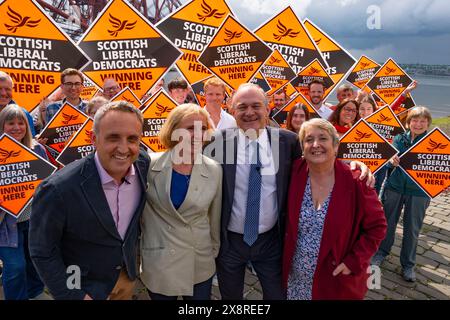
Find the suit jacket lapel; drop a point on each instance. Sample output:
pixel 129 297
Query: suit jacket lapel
pixel 93 191
pixel 278 158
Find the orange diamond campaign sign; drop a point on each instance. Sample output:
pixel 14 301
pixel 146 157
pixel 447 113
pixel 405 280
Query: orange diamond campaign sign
pixel 155 114
pixel 21 172
pixel 363 71
pixel 234 54
pixel 428 162
pixel 281 116
pixel 89 91
pixel 79 146
pixel 34 51
pixel 338 59
pixel 261 81
pixel 127 95
pixel 277 72
pixel 62 126
pixel 191 28
pixel 407 104
pixel 386 123
pixel 124 45
pixel 363 143
pixel 313 71
pixel 285 32
pixel 389 82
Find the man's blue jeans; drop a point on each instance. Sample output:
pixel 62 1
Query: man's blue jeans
pixel 414 212
pixel 20 279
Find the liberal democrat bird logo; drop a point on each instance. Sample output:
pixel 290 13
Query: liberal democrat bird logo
pixel 364 64
pixel 69 117
pixel 362 135
pixel 390 70
pixel 435 146
pixel 128 99
pixel 209 12
pixel 120 25
pixel 19 21
pixel 284 32
pixel 274 60
pixel 162 110
pixel 231 35
pixel 88 134
pixel 313 70
pixel 5 154
pixel 318 41
pixel 384 118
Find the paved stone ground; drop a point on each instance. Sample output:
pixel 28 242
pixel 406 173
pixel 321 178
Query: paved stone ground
pixel 433 264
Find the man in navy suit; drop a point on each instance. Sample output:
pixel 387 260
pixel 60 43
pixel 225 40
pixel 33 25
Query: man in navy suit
pixel 85 218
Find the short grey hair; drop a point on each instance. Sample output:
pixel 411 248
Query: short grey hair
pixel 253 86
pixel 321 124
pixel 5 77
pixel 120 106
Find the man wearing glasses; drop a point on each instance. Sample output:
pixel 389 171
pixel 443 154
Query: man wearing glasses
pixel 71 86
pixel 110 88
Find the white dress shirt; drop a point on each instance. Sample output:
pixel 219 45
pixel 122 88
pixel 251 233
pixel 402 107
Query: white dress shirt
pixel 226 121
pixel 268 210
pixel 324 112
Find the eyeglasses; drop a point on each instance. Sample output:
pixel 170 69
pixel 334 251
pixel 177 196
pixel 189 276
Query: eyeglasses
pixel 349 110
pixel 71 84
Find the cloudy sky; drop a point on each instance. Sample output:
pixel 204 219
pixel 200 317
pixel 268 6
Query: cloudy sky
pixel 411 31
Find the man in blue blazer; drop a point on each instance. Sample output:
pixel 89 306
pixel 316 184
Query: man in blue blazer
pixel 85 218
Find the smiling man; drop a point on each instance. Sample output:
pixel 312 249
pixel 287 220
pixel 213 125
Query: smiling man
pixel 84 226
pixel 316 90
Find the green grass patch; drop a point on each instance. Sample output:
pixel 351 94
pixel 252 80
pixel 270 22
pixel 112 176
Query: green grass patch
pixel 443 123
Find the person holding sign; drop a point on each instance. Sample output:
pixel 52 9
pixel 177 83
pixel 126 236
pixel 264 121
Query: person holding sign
pixel 345 116
pixel 71 87
pixel 402 193
pixel 181 220
pixel 215 95
pixel 85 219
pixel 296 117
pixel 256 161
pixel 334 223
pixel 20 279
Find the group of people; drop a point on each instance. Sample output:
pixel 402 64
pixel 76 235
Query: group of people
pixel 229 190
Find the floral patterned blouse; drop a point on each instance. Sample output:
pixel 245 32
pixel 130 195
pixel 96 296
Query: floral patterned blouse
pixel 304 263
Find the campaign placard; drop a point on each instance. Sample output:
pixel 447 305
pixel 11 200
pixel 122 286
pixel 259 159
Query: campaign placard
pixel 389 82
pixel 365 144
pixel 362 72
pixel 79 146
pixel 290 90
pixel 380 103
pixel 155 114
pixel 405 106
pixel 313 71
pixel 281 116
pixel 127 95
pixel 428 162
pixel 21 172
pixel 62 126
pixel 191 28
pixel 124 46
pixel 89 91
pixel 34 50
pixel 260 80
pixel 277 72
pixel 338 59
pixel 385 123
pixel 286 33
pixel 234 54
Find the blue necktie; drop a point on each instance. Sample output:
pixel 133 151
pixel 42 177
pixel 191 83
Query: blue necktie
pixel 253 200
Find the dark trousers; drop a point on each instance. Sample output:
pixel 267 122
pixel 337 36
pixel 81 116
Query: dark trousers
pixel 202 291
pixel 20 279
pixel 265 256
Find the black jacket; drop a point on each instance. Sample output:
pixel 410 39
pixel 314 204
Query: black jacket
pixel 71 225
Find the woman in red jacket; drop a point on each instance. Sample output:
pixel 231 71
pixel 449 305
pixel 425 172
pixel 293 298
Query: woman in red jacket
pixel 335 222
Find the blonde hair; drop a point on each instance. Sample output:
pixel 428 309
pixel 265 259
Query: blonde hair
pixel 94 101
pixel 174 119
pixel 11 112
pixel 416 112
pixel 214 82
pixel 321 124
